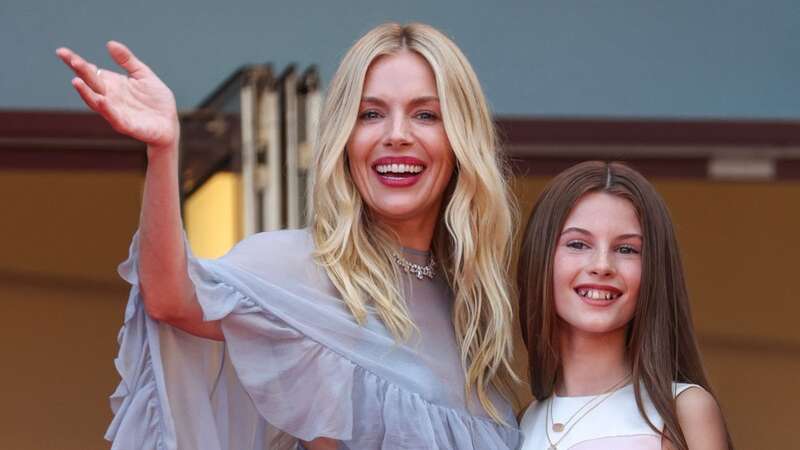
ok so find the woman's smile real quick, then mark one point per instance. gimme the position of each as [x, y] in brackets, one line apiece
[398, 153]
[398, 171]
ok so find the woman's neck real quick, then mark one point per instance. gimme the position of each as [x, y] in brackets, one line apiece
[591, 363]
[415, 233]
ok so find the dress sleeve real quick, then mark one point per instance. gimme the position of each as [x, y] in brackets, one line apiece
[294, 363]
[178, 391]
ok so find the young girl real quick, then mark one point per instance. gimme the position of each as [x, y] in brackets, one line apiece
[614, 362]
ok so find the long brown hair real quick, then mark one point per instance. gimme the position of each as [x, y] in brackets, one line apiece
[660, 339]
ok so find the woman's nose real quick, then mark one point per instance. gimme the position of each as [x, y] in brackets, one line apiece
[397, 133]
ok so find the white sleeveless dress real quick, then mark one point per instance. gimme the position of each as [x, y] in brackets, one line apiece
[614, 424]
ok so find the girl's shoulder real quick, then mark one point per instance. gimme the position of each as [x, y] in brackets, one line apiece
[531, 424]
[680, 388]
[532, 414]
[700, 418]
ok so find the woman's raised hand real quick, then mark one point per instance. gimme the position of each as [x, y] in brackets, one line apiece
[138, 104]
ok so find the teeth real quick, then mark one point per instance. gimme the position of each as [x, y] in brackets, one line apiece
[596, 294]
[399, 168]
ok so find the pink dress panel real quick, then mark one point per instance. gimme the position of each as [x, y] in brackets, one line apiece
[642, 442]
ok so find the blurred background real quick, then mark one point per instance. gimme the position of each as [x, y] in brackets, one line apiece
[702, 97]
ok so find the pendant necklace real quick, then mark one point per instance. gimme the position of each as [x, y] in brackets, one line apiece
[558, 427]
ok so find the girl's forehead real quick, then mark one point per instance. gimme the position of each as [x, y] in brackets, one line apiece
[603, 212]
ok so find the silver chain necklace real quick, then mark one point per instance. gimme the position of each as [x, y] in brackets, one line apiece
[421, 272]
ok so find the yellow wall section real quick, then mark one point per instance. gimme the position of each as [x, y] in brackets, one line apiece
[58, 341]
[70, 224]
[62, 303]
[213, 215]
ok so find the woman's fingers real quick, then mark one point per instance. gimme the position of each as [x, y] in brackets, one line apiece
[98, 103]
[65, 55]
[86, 71]
[90, 97]
[127, 60]
[117, 122]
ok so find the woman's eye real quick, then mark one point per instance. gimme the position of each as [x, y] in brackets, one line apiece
[426, 115]
[369, 115]
[628, 250]
[577, 245]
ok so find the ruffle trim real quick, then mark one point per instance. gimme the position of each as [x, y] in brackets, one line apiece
[370, 382]
[138, 411]
[407, 420]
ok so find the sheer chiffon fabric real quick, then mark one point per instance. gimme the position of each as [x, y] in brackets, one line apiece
[294, 361]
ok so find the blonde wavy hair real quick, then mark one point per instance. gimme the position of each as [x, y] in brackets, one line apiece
[471, 241]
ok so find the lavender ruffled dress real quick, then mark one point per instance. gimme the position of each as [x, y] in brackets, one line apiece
[294, 361]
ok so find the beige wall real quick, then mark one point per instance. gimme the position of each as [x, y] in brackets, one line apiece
[61, 302]
[741, 253]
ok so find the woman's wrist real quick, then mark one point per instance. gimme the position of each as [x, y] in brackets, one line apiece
[168, 144]
[161, 151]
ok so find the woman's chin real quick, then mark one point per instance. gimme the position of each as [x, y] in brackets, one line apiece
[399, 213]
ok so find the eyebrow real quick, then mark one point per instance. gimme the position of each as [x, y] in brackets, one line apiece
[415, 101]
[587, 233]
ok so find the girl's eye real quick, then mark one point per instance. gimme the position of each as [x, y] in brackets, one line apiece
[426, 115]
[577, 245]
[628, 250]
[369, 115]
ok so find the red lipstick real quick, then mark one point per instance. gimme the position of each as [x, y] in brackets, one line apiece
[398, 178]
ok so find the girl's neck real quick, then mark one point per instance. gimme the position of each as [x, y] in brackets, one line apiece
[591, 363]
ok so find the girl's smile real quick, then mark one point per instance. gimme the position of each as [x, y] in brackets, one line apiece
[597, 266]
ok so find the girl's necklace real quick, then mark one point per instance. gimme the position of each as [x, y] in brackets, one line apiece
[560, 426]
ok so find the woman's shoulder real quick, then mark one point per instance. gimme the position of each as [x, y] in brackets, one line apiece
[279, 243]
[286, 240]
[274, 252]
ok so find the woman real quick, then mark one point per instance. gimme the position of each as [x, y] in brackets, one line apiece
[386, 324]
[605, 315]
